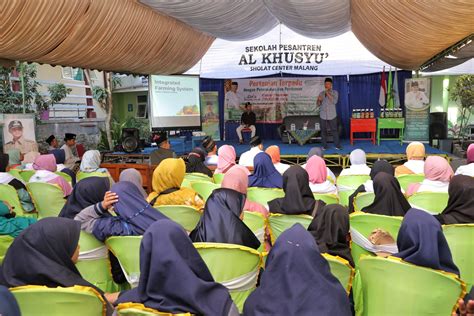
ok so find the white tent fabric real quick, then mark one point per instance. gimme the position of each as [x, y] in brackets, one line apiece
[244, 20]
[345, 56]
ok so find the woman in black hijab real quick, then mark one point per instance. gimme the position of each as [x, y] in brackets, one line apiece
[298, 196]
[4, 159]
[195, 162]
[174, 278]
[221, 221]
[330, 229]
[389, 199]
[87, 192]
[368, 186]
[460, 208]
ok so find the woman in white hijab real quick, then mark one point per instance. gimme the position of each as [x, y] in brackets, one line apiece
[91, 162]
[358, 164]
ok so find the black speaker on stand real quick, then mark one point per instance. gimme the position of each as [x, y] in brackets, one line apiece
[438, 126]
[130, 139]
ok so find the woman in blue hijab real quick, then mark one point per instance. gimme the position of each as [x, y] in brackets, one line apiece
[174, 278]
[133, 213]
[421, 242]
[297, 281]
[265, 174]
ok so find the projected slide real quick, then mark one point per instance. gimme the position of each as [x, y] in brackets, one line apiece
[174, 102]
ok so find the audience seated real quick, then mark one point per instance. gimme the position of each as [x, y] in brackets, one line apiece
[330, 229]
[45, 166]
[358, 164]
[166, 183]
[133, 214]
[274, 152]
[174, 278]
[415, 160]
[421, 242]
[389, 199]
[297, 281]
[6, 178]
[225, 159]
[221, 221]
[247, 158]
[437, 172]
[45, 254]
[134, 176]
[29, 159]
[210, 147]
[87, 192]
[60, 156]
[298, 197]
[264, 173]
[468, 168]
[317, 151]
[195, 162]
[164, 151]
[11, 225]
[318, 176]
[91, 163]
[460, 208]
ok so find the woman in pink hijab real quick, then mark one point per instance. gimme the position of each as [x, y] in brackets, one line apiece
[225, 158]
[468, 168]
[317, 171]
[438, 173]
[45, 166]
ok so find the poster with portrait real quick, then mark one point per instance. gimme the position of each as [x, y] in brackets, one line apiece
[19, 132]
[210, 114]
[417, 109]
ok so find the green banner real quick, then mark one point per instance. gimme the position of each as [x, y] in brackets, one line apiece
[417, 109]
[210, 114]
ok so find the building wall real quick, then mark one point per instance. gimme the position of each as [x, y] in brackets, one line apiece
[121, 103]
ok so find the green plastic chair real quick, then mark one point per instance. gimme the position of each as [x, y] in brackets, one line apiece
[82, 175]
[347, 185]
[257, 224]
[37, 300]
[389, 286]
[135, 309]
[47, 198]
[65, 176]
[281, 222]
[5, 242]
[234, 266]
[9, 195]
[460, 238]
[190, 178]
[27, 174]
[342, 270]
[16, 173]
[406, 179]
[365, 223]
[327, 198]
[127, 251]
[94, 264]
[218, 178]
[362, 200]
[204, 189]
[186, 216]
[432, 202]
[263, 195]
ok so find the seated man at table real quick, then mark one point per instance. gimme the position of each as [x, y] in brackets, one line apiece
[164, 151]
[247, 120]
[246, 159]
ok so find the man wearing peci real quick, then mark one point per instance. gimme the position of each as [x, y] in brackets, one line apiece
[327, 101]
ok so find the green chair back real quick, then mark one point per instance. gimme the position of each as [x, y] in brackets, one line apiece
[9, 195]
[127, 251]
[204, 189]
[257, 224]
[189, 178]
[362, 200]
[82, 175]
[432, 202]
[327, 198]
[5, 242]
[365, 223]
[389, 286]
[347, 185]
[186, 216]
[280, 222]
[342, 270]
[263, 195]
[218, 178]
[16, 173]
[65, 176]
[234, 266]
[72, 301]
[460, 238]
[94, 264]
[27, 174]
[47, 198]
[135, 309]
[406, 179]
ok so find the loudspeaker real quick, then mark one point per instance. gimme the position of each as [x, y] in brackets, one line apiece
[130, 139]
[438, 125]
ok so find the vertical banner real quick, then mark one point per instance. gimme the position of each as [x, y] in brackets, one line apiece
[210, 114]
[417, 109]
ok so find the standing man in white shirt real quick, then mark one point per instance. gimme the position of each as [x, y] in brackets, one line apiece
[69, 149]
[246, 159]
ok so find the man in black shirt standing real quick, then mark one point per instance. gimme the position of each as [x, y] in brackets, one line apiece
[247, 120]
